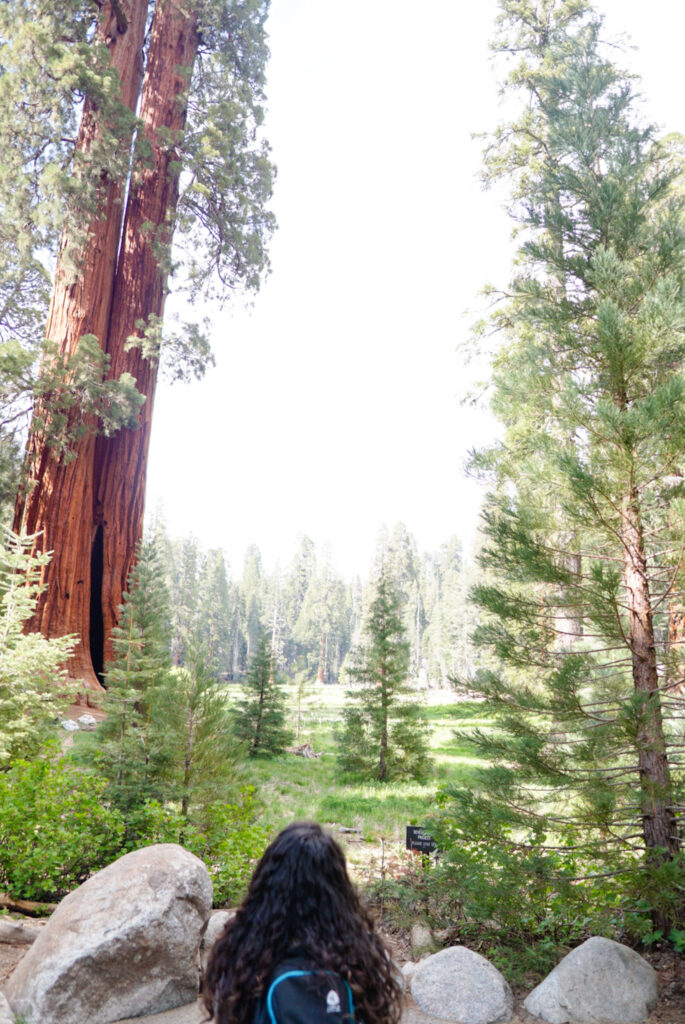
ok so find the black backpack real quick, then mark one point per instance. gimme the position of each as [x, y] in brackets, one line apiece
[300, 993]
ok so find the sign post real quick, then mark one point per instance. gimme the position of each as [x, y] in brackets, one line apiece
[420, 841]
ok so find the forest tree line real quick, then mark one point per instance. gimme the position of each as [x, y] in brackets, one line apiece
[310, 613]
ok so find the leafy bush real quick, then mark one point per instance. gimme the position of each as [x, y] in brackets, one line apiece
[31, 667]
[228, 839]
[233, 842]
[153, 822]
[55, 828]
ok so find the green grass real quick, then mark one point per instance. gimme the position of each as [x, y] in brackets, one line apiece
[293, 787]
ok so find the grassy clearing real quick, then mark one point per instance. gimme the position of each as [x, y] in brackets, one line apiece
[293, 787]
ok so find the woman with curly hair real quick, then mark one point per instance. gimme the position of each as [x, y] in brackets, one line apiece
[301, 945]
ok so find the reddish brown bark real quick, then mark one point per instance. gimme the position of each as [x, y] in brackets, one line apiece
[139, 293]
[58, 499]
[90, 511]
[676, 642]
[658, 819]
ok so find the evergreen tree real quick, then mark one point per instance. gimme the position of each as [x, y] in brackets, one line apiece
[185, 587]
[322, 629]
[214, 614]
[397, 553]
[252, 591]
[450, 617]
[238, 646]
[117, 147]
[273, 615]
[30, 665]
[195, 730]
[385, 734]
[127, 746]
[297, 580]
[586, 520]
[259, 718]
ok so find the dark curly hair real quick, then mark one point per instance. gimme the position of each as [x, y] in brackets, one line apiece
[300, 897]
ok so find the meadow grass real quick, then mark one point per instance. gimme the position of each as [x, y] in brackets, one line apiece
[293, 787]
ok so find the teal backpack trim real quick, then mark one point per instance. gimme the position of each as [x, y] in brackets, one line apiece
[300, 974]
[272, 986]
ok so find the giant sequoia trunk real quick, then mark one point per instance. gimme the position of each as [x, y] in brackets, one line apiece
[139, 292]
[57, 501]
[89, 511]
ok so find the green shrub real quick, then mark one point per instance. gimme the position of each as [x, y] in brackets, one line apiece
[526, 897]
[153, 822]
[227, 838]
[55, 829]
[230, 842]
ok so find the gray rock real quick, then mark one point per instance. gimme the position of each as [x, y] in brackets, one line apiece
[70, 725]
[215, 927]
[194, 1013]
[87, 722]
[6, 1015]
[124, 944]
[14, 933]
[403, 974]
[460, 985]
[600, 982]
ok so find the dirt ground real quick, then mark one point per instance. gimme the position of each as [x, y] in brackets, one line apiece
[670, 969]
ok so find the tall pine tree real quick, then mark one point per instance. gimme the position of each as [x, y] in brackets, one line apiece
[129, 748]
[586, 519]
[385, 735]
[259, 718]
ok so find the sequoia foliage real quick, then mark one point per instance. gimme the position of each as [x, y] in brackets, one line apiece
[133, 163]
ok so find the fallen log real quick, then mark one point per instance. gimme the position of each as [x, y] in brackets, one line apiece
[304, 750]
[27, 907]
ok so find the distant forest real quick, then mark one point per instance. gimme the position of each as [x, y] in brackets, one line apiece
[310, 613]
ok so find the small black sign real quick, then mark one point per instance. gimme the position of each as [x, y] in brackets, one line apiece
[420, 841]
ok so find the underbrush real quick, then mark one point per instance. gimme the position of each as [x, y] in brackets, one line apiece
[524, 905]
[57, 829]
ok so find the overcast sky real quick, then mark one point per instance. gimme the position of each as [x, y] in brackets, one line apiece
[334, 406]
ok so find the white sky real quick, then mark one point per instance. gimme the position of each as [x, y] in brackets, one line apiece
[333, 407]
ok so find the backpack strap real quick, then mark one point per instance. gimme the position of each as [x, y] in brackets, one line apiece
[299, 974]
[272, 986]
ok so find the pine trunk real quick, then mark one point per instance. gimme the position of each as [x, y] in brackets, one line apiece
[323, 658]
[57, 500]
[658, 819]
[383, 752]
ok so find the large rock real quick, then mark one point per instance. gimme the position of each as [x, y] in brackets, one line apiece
[14, 933]
[215, 929]
[124, 944]
[459, 985]
[6, 1015]
[600, 982]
